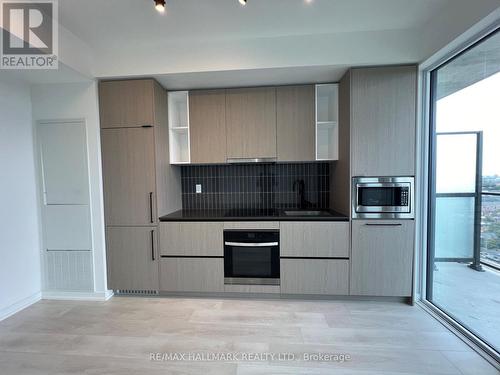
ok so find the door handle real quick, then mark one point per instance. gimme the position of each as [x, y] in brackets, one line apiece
[384, 224]
[151, 207]
[253, 244]
[153, 245]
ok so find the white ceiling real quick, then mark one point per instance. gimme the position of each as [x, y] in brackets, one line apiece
[112, 23]
[219, 43]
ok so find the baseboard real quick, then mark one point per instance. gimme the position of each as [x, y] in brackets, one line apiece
[20, 305]
[78, 296]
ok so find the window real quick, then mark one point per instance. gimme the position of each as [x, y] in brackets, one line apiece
[463, 268]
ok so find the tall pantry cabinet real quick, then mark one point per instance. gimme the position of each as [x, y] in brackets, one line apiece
[378, 108]
[139, 183]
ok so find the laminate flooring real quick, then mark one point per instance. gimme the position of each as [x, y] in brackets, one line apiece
[136, 335]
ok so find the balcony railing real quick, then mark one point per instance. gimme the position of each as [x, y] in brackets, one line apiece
[490, 229]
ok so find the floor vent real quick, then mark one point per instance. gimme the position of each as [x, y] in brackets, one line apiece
[137, 292]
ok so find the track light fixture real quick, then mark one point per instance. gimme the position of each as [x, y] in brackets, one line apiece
[243, 2]
[160, 5]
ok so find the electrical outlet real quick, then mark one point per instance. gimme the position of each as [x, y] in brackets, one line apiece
[198, 188]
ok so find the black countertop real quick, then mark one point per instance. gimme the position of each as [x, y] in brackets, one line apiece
[251, 215]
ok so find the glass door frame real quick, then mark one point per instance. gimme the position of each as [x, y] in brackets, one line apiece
[426, 173]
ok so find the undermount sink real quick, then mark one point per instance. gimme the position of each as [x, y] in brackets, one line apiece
[307, 213]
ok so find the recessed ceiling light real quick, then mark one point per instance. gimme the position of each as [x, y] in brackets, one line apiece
[243, 2]
[160, 5]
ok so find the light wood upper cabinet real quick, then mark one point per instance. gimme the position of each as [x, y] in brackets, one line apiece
[125, 104]
[383, 119]
[251, 122]
[132, 258]
[382, 257]
[207, 126]
[295, 123]
[128, 162]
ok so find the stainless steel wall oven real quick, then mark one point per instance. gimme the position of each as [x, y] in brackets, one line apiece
[251, 257]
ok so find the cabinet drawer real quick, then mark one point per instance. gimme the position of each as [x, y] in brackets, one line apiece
[314, 239]
[251, 225]
[315, 276]
[192, 274]
[193, 239]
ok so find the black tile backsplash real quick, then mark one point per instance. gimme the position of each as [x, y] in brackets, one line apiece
[256, 186]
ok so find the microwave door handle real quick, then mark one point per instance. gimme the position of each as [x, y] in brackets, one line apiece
[251, 244]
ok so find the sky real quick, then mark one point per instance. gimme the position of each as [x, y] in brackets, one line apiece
[473, 108]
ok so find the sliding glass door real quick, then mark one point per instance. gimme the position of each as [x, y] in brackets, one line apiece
[463, 268]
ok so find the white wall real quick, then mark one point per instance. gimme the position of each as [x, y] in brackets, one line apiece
[19, 233]
[80, 101]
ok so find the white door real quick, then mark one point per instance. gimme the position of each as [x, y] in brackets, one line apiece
[67, 241]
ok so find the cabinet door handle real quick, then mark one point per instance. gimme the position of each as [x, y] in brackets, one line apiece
[384, 224]
[153, 245]
[151, 207]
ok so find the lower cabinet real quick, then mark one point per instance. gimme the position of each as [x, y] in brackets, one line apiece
[192, 274]
[382, 257]
[132, 258]
[315, 276]
[315, 239]
[191, 238]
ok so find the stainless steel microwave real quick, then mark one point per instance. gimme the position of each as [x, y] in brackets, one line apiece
[383, 198]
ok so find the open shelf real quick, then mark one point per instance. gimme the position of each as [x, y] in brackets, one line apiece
[178, 122]
[327, 128]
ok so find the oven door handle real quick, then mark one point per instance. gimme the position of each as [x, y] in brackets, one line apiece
[251, 244]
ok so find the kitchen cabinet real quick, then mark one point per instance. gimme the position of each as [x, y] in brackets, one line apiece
[245, 225]
[132, 258]
[251, 123]
[192, 274]
[128, 160]
[207, 126]
[139, 183]
[383, 120]
[314, 239]
[126, 103]
[295, 123]
[178, 127]
[327, 121]
[382, 257]
[191, 238]
[315, 276]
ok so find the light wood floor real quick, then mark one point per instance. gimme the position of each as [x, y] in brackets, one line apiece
[117, 337]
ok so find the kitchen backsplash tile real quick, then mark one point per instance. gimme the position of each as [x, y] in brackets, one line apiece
[256, 186]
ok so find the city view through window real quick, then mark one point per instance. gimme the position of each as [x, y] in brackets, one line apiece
[476, 108]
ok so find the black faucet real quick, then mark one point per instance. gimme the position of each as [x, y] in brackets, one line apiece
[300, 186]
